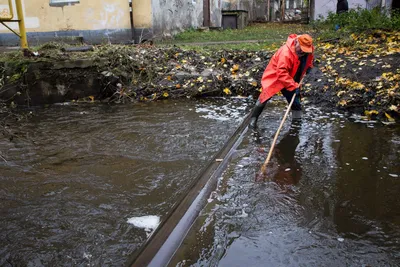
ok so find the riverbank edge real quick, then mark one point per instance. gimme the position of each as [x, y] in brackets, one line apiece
[117, 74]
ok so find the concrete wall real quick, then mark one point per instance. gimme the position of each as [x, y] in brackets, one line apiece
[94, 20]
[172, 16]
[216, 15]
[323, 7]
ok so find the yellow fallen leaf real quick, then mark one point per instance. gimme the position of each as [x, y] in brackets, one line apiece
[254, 83]
[340, 93]
[227, 91]
[394, 108]
[370, 112]
[342, 103]
[389, 117]
[357, 85]
[165, 94]
[91, 98]
[235, 68]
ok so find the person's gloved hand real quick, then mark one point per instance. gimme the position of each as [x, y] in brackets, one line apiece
[297, 92]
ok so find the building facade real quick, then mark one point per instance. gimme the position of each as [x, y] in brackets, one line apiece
[113, 21]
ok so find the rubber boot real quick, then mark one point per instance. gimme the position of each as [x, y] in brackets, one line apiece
[258, 108]
[296, 114]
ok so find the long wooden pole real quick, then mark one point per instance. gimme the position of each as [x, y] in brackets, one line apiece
[264, 166]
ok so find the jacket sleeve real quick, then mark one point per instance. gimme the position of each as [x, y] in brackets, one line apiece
[283, 73]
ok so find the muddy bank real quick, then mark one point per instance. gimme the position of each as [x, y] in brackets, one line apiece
[359, 75]
[128, 73]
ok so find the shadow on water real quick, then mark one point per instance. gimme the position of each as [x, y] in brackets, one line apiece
[69, 187]
[331, 198]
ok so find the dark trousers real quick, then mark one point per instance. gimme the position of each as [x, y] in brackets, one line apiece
[287, 94]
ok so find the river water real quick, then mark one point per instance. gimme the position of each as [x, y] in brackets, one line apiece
[80, 175]
[330, 198]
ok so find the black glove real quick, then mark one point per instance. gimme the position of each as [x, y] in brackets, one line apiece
[297, 92]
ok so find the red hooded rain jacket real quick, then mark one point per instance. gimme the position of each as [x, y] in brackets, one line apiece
[281, 70]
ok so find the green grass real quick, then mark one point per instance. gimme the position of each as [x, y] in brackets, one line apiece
[356, 21]
[270, 45]
[268, 35]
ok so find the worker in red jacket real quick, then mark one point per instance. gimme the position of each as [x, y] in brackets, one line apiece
[284, 73]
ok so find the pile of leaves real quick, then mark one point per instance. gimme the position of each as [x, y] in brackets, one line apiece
[359, 74]
[150, 73]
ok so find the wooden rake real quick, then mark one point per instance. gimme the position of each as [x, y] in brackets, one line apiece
[261, 175]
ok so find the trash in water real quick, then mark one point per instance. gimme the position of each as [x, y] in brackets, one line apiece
[148, 223]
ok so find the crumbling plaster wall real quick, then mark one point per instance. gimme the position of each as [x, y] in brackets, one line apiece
[173, 16]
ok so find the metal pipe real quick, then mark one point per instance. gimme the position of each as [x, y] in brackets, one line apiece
[131, 19]
[11, 13]
[5, 25]
[21, 23]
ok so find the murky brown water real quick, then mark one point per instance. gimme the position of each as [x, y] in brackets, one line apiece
[70, 185]
[331, 199]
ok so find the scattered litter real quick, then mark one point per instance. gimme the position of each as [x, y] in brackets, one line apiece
[148, 223]
[243, 215]
[288, 169]
[364, 158]
[87, 255]
[218, 160]
[393, 175]
[340, 239]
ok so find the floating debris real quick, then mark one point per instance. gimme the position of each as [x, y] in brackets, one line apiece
[148, 223]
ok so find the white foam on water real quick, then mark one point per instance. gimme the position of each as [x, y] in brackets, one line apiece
[148, 223]
[220, 113]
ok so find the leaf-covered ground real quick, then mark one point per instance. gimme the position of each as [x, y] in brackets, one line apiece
[361, 75]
